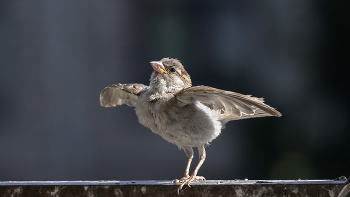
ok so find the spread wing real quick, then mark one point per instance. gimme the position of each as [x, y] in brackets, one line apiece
[121, 94]
[231, 105]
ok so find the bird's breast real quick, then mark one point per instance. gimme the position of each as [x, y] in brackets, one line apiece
[190, 125]
[152, 115]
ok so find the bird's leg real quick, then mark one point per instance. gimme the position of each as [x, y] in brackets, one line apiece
[202, 155]
[189, 153]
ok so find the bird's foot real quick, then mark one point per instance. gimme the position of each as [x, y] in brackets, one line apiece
[186, 180]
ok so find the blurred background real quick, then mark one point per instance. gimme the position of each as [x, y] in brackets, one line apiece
[57, 56]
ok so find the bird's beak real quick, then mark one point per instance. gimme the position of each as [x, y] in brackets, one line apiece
[158, 67]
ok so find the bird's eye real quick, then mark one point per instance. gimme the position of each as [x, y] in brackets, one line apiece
[172, 69]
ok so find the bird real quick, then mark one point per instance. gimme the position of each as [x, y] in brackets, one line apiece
[185, 115]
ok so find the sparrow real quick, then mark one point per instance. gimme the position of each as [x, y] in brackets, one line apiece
[185, 115]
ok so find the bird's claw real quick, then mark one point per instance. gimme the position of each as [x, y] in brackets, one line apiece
[187, 181]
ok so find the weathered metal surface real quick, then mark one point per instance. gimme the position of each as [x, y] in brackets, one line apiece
[345, 191]
[311, 188]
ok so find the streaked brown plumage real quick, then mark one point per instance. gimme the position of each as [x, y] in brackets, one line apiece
[181, 114]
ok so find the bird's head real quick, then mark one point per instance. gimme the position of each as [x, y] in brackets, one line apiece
[170, 73]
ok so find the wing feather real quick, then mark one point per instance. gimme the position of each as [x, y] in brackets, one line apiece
[120, 94]
[232, 105]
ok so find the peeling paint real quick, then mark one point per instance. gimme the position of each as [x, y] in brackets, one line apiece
[239, 192]
[264, 191]
[17, 192]
[143, 190]
[295, 190]
[330, 192]
[54, 193]
[90, 192]
[118, 192]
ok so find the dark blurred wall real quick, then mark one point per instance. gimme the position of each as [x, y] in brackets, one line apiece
[56, 57]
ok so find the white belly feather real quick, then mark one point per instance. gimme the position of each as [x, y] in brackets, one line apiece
[190, 125]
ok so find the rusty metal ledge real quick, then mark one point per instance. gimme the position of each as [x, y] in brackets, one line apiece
[254, 188]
